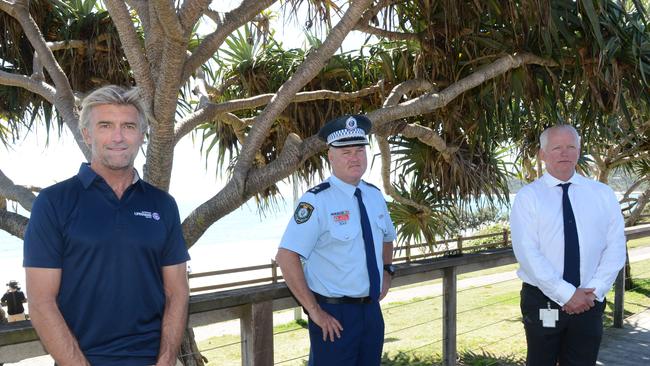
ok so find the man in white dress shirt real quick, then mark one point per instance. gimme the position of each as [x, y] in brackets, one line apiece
[568, 237]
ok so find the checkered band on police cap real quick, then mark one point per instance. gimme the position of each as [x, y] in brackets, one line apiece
[349, 130]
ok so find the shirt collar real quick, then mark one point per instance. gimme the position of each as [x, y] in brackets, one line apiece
[551, 181]
[348, 189]
[87, 176]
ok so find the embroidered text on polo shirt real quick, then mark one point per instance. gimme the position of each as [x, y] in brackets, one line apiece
[147, 215]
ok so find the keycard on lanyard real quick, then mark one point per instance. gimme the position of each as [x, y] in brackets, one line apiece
[548, 316]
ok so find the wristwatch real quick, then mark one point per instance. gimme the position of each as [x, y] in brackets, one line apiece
[390, 268]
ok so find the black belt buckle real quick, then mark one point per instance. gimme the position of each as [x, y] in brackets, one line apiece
[342, 300]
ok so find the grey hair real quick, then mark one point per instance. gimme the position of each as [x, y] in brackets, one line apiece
[116, 95]
[543, 138]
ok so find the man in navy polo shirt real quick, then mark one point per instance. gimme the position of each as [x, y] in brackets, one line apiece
[104, 251]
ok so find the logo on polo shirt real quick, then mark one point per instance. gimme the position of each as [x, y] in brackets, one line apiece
[147, 215]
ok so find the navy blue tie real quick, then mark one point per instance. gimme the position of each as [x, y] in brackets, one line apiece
[571, 272]
[368, 243]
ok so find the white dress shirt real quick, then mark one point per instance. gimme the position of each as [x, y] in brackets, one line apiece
[538, 235]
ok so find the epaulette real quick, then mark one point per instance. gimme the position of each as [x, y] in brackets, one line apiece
[319, 188]
[372, 185]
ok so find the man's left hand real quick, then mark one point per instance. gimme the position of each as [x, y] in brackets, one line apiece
[385, 286]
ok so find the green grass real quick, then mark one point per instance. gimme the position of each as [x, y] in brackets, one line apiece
[489, 329]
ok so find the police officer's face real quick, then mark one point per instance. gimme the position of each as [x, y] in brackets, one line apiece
[348, 163]
[114, 136]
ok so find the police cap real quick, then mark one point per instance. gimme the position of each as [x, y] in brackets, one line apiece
[348, 130]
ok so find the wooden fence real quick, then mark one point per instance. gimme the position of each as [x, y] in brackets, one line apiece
[254, 305]
[269, 274]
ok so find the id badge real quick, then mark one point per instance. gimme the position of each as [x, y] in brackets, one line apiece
[548, 316]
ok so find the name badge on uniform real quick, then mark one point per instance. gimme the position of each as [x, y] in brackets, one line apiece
[548, 316]
[341, 217]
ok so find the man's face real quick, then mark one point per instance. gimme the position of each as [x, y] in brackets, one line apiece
[114, 136]
[561, 154]
[348, 163]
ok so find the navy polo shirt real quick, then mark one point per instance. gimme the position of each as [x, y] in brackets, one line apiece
[111, 253]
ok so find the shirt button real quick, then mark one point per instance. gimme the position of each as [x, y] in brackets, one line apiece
[347, 236]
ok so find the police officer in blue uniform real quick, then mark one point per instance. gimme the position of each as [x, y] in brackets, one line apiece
[336, 253]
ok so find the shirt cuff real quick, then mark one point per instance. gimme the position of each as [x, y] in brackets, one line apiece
[564, 292]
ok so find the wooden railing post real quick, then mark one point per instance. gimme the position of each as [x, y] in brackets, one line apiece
[460, 244]
[619, 299]
[274, 271]
[257, 334]
[408, 252]
[505, 238]
[449, 353]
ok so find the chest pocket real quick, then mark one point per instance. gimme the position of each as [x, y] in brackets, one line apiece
[344, 230]
[380, 221]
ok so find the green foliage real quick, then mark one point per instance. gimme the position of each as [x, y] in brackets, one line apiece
[491, 242]
[100, 61]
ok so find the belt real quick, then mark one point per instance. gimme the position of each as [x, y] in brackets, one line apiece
[342, 300]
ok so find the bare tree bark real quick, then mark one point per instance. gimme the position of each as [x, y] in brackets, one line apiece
[15, 192]
[13, 223]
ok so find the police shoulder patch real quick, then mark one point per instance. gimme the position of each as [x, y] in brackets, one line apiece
[303, 212]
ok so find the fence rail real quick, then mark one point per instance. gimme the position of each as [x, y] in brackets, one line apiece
[423, 249]
[254, 305]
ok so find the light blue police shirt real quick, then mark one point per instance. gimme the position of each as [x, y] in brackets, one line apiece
[326, 232]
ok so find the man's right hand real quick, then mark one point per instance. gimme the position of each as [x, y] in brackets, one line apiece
[327, 323]
[581, 301]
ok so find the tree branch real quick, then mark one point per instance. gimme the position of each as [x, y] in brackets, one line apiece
[394, 36]
[132, 47]
[210, 111]
[384, 149]
[64, 99]
[16, 192]
[171, 25]
[305, 72]
[432, 101]
[13, 223]
[38, 87]
[294, 153]
[66, 45]
[190, 13]
[231, 21]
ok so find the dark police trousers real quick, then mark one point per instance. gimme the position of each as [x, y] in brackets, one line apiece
[362, 338]
[573, 342]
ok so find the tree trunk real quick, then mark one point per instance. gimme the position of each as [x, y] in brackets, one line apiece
[190, 354]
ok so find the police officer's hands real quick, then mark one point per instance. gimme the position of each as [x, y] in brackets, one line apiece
[385, 286]
[327, 323]
[581, 301]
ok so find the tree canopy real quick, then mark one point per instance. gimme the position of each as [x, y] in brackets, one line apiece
[452, 88]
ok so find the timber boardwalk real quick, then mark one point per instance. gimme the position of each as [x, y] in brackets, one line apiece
[627, 346]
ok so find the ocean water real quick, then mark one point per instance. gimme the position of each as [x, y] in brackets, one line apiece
[242, 238]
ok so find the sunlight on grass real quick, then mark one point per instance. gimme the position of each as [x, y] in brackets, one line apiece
[489, 329]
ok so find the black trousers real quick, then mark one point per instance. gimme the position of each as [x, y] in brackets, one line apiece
[574, 341]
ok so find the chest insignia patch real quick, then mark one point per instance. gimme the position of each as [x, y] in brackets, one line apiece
[341, 217]
[303, 212]
[147, 215]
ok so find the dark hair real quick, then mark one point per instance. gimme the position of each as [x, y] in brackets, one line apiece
[13, 284]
